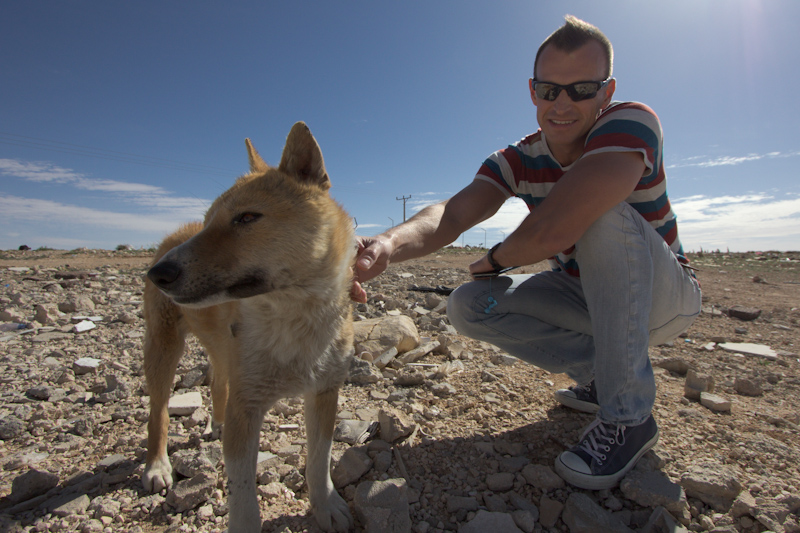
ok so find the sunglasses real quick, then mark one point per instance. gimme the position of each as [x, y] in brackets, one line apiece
[580, 90]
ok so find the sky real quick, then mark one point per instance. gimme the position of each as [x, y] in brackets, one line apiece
[121, 120]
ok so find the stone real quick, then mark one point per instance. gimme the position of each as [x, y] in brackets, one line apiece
[31, 484]
[194, 377]
[583, 515]
[104, 507]
[69, 504]
[653, 489]
[542, 477]
[382, 506]
[748, 387]
[84, 325]
[662, 522]
[744, 313]
[744, 504]
[85, 365]
[378, 335]
[716, 485]
[47, 314]
[715, 402]
[457, 503]
[190, 493]
[394, 424]
[190, 463]
[486, 521]
[184, 404]
[443, 390]
[495, 503]
[353, 464]
[677, 365]
[418, 352]
[697, 384]
[549, 511]
[500, 482]
[523, 504]
[11, 427]
[749, 348]
[363, 372]
[525, 520]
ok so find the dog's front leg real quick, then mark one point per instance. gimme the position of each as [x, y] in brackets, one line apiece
[163, 347]
[240, 448]
[330, 510]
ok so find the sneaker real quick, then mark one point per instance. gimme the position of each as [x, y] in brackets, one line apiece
[580, 397]
[606, 453]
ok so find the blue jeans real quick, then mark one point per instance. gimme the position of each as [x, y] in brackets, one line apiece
[632, 293]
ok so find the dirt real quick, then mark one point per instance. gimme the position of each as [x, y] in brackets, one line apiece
[756, 440]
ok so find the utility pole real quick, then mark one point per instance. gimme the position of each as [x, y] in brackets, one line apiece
[404, 198]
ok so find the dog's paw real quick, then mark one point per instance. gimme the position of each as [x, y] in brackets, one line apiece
[333, 514]
[157, 476]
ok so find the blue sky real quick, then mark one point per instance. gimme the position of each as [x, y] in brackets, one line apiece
[120, 120]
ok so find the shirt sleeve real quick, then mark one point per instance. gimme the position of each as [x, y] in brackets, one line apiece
[497, 171]
[628, 127]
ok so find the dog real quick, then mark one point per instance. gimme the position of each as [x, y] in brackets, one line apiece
[264, 285]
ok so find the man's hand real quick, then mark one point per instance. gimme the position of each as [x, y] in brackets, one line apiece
[357, 292]
[372, 258]
[481, 265]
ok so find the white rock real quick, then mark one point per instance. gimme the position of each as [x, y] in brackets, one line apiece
[184, 404]
[749, 348]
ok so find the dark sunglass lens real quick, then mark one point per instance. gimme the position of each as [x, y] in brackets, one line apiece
[584, 91]
[547, 91]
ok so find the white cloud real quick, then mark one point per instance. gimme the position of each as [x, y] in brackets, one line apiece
[32, 210]
[727, 160]
[44, 172]
[37, 171]
[753, 222]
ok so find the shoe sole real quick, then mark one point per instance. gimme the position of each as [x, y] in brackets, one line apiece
[574, 403]
[589, 482]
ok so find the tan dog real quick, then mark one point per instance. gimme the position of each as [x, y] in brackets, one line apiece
[264, 285]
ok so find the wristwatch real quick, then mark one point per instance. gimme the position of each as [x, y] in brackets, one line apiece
[490, 255]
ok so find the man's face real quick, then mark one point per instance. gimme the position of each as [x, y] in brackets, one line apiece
[565, 123]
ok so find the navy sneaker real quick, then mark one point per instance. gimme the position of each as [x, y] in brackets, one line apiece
[580, 397]
[606, 453]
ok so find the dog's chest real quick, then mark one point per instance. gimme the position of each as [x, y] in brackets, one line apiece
[293, 350]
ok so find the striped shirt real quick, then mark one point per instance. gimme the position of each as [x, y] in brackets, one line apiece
[528, 170]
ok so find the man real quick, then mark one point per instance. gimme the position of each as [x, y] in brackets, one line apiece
[593, 178]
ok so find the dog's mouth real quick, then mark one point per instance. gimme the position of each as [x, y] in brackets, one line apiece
[250, 285]
[208, 293]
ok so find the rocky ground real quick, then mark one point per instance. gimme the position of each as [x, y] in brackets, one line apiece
[466, 436]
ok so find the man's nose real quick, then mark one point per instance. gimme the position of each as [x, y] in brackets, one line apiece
[562, 101]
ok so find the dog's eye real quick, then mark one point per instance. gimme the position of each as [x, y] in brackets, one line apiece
[246, 218]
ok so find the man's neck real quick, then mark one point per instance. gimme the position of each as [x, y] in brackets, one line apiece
[565, 155]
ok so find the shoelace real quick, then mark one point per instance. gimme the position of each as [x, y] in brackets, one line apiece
[597, 438]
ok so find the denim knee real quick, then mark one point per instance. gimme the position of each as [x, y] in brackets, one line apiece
[460, 308]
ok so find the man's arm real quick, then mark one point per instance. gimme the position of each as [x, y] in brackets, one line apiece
[588, 190]
[432, 228]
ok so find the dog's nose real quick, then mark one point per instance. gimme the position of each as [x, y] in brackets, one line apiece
[164, 274]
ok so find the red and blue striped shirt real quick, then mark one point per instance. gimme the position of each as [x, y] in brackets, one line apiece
[528, 170]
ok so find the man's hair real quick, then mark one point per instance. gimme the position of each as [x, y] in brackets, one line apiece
[574, 34]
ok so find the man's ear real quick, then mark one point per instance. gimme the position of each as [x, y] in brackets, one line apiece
[609, 92]
[533, 93]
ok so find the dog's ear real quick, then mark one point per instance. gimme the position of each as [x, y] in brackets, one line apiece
[303, 158]
[256, 163]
